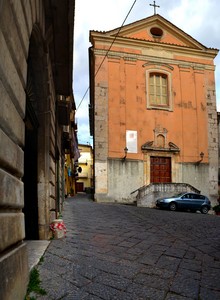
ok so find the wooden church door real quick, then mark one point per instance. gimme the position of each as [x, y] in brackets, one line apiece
[160, 169]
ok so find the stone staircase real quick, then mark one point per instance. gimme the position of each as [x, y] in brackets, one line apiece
[147, 194]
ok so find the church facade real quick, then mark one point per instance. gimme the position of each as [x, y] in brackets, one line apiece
[152, 110]
[37, 106]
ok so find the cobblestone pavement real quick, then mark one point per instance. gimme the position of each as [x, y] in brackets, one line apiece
[114, 251]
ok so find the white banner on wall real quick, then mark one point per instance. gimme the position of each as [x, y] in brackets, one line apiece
[131, 141]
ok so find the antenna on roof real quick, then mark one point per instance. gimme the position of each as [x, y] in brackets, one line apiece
[154, 5]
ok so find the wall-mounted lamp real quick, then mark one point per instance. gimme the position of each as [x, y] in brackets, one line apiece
[201, 158]
[201, 155]
[125, 151]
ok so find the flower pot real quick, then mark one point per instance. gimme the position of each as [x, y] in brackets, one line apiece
[58, 228]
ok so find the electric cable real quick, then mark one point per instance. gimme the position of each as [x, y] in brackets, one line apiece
[107, 52]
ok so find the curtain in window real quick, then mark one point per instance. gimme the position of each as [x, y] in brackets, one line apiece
[158, 89]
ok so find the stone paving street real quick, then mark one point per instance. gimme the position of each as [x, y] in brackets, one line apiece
[114, 251]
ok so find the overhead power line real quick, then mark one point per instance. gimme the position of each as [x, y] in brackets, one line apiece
[108, 51]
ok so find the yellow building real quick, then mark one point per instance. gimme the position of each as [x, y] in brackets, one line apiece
[69, 176]
[85, 169]
[71, 158]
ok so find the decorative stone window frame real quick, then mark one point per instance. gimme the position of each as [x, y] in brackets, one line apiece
[157, 33]
[163, 70]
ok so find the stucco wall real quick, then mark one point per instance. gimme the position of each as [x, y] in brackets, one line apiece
[123, 177]
[189, 120]
[198, 176]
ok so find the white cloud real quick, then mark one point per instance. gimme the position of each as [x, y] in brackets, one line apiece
[190, 14]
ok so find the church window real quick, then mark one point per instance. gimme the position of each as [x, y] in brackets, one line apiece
[156, 32]
[158, 90]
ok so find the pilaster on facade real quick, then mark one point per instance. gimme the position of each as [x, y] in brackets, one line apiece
[213, 142]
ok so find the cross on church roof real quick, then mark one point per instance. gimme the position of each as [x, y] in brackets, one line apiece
[154, 5]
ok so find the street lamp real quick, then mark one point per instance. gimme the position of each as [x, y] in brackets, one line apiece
[201, 158]
[125, 151]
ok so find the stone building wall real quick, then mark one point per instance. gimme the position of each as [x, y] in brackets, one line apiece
[28, 103]
[101, 140]
[213, 141]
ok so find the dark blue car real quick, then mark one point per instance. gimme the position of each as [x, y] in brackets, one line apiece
[185, 201]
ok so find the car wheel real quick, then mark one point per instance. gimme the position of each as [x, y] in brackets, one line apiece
[204, 210]
[173, 206]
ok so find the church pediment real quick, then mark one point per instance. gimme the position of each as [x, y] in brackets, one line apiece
[152, 146]
[157, 29]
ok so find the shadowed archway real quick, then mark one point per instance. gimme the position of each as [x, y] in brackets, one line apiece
[35, 135]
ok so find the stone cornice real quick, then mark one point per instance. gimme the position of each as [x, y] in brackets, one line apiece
[99, 38]
[158, 63]
[154, 59]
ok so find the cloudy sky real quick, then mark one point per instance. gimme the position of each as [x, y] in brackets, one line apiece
[198, 18]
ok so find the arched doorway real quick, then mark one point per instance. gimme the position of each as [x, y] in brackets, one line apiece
[30, 173]
[35, 136]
